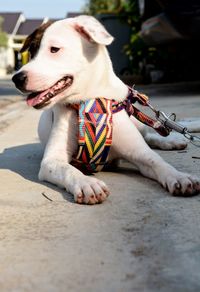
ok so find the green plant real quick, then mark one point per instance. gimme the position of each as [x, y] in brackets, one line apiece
[3, 35]
[136, 49]
[94, 7]
[141, 55]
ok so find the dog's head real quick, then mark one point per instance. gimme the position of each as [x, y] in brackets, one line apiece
[64, 56]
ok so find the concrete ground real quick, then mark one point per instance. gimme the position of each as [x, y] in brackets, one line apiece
[140, 239]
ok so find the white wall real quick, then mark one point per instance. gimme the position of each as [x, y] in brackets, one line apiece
[3, 60]
[6, 58]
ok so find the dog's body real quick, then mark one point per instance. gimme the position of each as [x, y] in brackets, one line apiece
[69, 64]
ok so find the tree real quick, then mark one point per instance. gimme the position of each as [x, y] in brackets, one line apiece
[94, 7]
[3, 35]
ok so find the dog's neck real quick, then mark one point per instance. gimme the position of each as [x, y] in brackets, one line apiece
[105, 83]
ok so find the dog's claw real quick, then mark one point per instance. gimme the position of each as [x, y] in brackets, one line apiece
[183, 184]
[79, 199]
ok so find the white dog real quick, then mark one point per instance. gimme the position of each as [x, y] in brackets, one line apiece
[69, 63]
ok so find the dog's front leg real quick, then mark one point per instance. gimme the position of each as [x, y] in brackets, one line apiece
[129, 144]
[56, 168]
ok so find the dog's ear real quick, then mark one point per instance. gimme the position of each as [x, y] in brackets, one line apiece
[32, 42]
[91, 29]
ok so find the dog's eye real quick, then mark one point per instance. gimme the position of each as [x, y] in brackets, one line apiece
[54, 49]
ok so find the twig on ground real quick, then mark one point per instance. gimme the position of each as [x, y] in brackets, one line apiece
[47, 197]
[196, 157]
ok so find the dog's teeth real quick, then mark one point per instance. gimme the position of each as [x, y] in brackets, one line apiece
[49, 95]
[54, 90]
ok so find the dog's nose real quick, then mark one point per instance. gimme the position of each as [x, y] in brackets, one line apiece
[20, 79]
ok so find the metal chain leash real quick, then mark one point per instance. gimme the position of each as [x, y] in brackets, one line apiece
[169, 121]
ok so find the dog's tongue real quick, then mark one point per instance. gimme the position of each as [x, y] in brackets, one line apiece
[36, 98]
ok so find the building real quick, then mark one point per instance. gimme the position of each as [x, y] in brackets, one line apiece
[17, 27]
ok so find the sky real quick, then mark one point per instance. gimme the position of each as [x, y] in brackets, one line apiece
[42, 8]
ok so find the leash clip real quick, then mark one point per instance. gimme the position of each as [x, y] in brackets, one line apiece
[169, 122]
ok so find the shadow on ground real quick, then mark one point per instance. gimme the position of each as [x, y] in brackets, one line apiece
[25, 161]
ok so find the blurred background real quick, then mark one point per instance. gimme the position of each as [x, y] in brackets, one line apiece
[156, 41]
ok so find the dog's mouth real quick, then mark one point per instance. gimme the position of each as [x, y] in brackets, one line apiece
[39, 99]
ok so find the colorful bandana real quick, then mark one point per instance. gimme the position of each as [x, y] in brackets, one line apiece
[95, 134]
[95, 128]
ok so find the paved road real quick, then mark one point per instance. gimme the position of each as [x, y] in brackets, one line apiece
[8, 94]
[7, 88]
[140, 240]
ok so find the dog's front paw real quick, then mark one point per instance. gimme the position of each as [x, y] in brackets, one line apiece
[182, 184]
[89, 190]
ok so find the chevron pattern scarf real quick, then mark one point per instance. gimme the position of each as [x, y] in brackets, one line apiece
[95, 134]
[95, 128]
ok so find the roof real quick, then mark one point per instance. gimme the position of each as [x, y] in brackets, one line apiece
[28, 26]
[54, 19]
[10, 20]
[15, 22]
